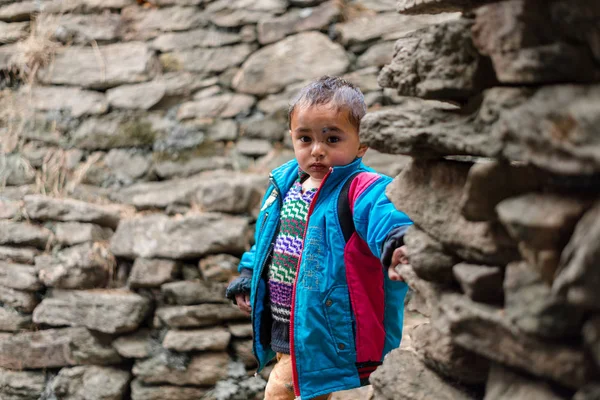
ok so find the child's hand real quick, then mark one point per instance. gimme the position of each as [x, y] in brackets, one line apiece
[398, 257]
[243, 302]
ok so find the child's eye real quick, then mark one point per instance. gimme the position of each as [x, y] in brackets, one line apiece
[305, 139]
[333, 139]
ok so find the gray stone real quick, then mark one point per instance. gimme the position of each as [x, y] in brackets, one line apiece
[425, 293]
[19, 276]
[438, 62]
[202, 370]
[588, 392]
[20, 11]
[71, 233]
[21, 385]
[428, 257]
[106, 67]
[116, 130]
[139, 96]
[368, 27]
[84, 29]
[438, 352]
[23, 234]
[542, 225]
[207, 61]
[15, 170]
[276, 66]
[139, 344]
[578, 277]
[436, 6]
[508, 123]
[212, 339]
[9, 209]
[240, 331]
[147, 23]
[484, 330]
[47, 208]
[270, 127]
[535, 43]
[243, 352]
[387, 164]
[91, 382]
[193, 292]
[253, 147]
[183, 83]
[51, 348]
[489, 182]
[279, 103]
[82, 266]
[8, 53]
[481, 283]
[298, 20]
[179, 238]
[229, 14]
[89, 6]
[430, 192]
[377, 5]
[225, 105]
[418, 382]
[25, 255]
[365, 79]
[219, 268]
[152, 272]
[195, 38]
[506, 384]
[13, 32]
[109, 311]
[591, 337]
[127, 165]
[223, 130]
[377, 55]
[18, 299]
[188, 167]
[139, 391]
[13, 321]
[198, 315]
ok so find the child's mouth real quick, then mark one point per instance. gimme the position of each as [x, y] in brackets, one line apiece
[317, 167]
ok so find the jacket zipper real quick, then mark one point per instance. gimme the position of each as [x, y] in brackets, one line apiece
[262, 267]
[292, 353]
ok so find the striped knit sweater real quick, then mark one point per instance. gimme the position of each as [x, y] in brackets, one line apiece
[282, 271]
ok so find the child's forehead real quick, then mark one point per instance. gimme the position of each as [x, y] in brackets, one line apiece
[328, 111]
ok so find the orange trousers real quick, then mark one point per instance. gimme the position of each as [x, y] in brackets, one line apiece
[281, 383]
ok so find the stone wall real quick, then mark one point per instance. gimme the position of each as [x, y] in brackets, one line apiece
[134, 148]
[503, 188]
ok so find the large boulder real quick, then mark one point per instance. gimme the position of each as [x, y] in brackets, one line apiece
[429, 192]
[121, 63]
[276, 66]
[202, 370]
[51, 348]
[179, 238]
[91, 382]
[45, 208]
[109, 311]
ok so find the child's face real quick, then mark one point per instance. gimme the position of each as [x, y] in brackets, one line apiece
[323, 137]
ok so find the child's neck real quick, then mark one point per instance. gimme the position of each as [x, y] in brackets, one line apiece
[311, 183]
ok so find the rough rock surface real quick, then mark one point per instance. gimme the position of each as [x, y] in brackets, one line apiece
[108, 311]
[187, 237]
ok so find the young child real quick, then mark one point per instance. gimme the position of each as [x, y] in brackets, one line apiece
[328, 307]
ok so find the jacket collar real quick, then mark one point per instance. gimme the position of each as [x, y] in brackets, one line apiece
[285, 175]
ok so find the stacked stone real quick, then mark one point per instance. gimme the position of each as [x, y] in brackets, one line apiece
[145, 126]
[503, 188]
[132, 93]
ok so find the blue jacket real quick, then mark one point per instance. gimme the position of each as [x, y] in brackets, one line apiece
[346, 313]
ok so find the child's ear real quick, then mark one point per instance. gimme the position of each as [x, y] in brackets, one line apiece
[362, 149]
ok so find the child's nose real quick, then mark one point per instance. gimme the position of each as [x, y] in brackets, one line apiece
[317, 149]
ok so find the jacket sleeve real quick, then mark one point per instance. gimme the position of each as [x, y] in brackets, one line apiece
[376, 219]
